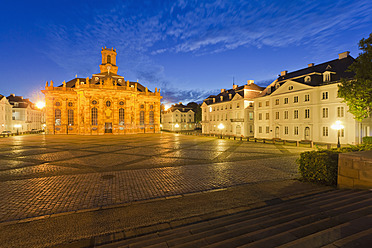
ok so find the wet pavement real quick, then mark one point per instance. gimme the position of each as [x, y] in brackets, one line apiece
[44, 175]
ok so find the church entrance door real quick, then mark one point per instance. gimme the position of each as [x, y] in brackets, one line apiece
[108, 127]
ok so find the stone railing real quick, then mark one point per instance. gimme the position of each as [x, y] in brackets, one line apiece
[355, 170]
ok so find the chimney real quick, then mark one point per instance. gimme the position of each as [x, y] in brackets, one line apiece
[235, 86]
[343, 55]
[249, 82]
[214, 100]
[222, 90]
[310, 65]
[283, 73]
[221, 98]
[180, 103]
[13, 95]
[230, 95]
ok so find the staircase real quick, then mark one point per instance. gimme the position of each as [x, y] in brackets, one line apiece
[338, 218]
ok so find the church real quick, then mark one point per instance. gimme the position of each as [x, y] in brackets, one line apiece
[104, 104]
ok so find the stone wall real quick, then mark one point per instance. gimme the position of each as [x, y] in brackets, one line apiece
[355, 170]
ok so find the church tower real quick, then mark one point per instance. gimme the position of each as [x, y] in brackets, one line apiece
[108, 60]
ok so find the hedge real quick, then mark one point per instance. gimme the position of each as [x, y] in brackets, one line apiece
[321, 166]
[367, 140]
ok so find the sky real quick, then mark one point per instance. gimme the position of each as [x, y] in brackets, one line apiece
[188, 49]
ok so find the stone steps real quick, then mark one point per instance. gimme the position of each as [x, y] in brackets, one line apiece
[339, 218]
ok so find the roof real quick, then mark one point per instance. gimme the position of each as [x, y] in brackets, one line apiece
[1, 97]
[232, 92]
[338, 68]
[180, 107]
[21, 102]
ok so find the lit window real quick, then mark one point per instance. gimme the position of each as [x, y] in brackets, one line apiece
[94, 116]
[250, 115]
[57, 115]
[70, 118]
[121, 116]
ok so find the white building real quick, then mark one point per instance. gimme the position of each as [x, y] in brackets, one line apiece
[303, 105]
[231, 111]
[178, 118]
[25, 116]
[5, 114]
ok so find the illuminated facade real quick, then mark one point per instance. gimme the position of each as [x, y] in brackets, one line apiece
[102, 104]
[303, 105]
[178, 118]
[5, 114]
[233, 109]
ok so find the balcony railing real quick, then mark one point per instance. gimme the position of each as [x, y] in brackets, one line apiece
[237, 120]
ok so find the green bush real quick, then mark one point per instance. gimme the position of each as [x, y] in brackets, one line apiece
[367, 140]
[321, 166]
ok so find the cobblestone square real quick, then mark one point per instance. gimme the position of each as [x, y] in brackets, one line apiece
[46, 174]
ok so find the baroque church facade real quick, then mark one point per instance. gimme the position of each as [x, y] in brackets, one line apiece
[104, 104]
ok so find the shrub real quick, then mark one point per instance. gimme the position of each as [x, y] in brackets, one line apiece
[367, 140]
[321, 166]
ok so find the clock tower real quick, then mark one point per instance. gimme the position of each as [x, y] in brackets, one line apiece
[108, 61]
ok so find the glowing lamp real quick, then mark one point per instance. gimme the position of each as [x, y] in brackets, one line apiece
[40, 105]
[338, 126]
[176, 125]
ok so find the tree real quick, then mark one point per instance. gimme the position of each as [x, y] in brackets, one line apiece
[197, 109]
[357, 93]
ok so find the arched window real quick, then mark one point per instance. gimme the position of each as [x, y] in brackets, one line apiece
[108, 59]
[142, 118]
[151, 117]
[57, 115]
[70, 114]
[94, 116]
[121, 116]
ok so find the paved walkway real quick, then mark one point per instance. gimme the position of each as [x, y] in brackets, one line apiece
[43, 175]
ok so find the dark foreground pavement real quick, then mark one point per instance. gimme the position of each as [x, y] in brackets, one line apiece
[91, 190]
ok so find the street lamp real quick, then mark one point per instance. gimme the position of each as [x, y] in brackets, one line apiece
[176, 126]
[338, 126]
[221, 127]
[40, 105]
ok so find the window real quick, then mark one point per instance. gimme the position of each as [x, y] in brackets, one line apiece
[70, 104]
[121, 103]
[307, 113]
[325, 112]
[260, 104]
[286, 114]
[142, 117]
[327, 76]
[295, 130]
[251, 128]
[151, 117]
[276, 101]
[325, 95]
[94, 102]
[307, 98]
[325, 131]
[341, 132]
[70, 117]
[260, 116]
[290, 87]
[267, 116]
[121, 116]
[230, 106]
[267, 103]
[295, 99]
[276, 115]
[237, 105]
[142, 106]
[260, 129]
[340, 111]
[286, 130]
[58, 104]
[295, 114]
[94, 116]
[250, 115]
[307, 79]
[108, 103]
[109, 59]
[267, 129]
[286, 100]
[57, 115]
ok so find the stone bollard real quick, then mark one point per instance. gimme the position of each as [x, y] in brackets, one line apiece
[311, 144]
[297, 143]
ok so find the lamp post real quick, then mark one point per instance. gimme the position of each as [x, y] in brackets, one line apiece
[338, 126]
[221, 127]
[176, 126]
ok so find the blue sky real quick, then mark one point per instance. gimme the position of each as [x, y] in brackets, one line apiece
[189, 49]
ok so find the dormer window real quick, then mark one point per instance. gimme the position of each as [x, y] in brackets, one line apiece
[307, 79]
[326, 76]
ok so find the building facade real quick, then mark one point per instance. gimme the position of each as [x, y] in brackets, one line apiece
[25, 116]
[5, 114]
[178, 118]
[303, 105]
[231, 112]
[102, 104]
